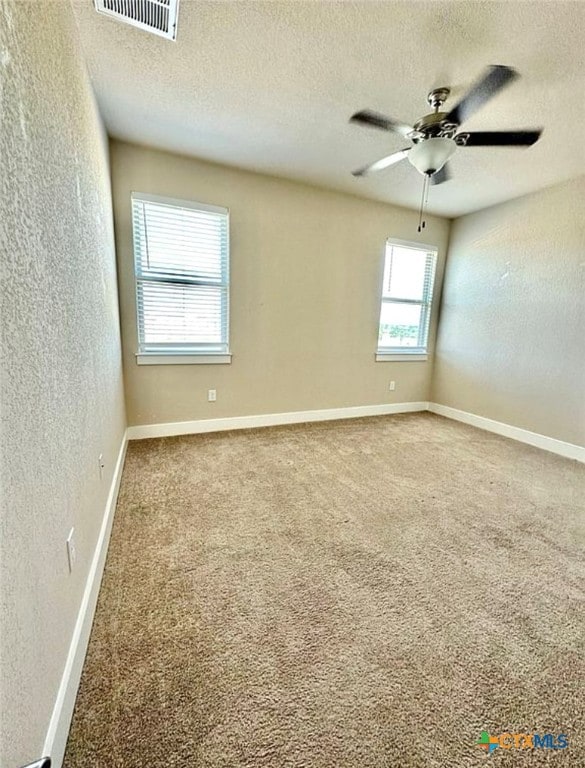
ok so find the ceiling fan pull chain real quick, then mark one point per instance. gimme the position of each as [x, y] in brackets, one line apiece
[423, 201]
[420, 212]
[426, 205]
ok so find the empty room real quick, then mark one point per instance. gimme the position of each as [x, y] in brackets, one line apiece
[292, 385]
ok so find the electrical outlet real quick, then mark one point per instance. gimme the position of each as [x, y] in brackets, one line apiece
[212, 395]
[101, 464]
[71, 550]
[392, 386]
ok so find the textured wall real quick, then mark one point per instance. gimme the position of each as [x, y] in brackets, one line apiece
[511, 344]
[61, 386]
[305, 285]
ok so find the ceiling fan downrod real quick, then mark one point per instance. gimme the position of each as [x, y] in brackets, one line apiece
[438, 97]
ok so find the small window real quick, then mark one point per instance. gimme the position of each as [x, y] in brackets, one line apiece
[407, 292]
[181, 254]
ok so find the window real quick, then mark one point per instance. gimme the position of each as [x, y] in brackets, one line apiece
[181, 257]
[407, 291]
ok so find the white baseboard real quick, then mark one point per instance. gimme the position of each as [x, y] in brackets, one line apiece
[56, 739]
[568, 450]
[268, 420]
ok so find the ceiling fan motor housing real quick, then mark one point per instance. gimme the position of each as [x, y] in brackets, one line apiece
[434, 124]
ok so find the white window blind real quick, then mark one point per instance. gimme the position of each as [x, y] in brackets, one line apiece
[181, 253]
[407, 292]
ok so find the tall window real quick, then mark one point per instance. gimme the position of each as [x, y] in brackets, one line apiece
[181, 253]
[407, 291]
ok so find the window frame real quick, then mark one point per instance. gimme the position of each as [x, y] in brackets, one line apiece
[420, 352]
[184, 353]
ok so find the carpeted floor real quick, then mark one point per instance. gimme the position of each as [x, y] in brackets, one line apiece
[363, 593]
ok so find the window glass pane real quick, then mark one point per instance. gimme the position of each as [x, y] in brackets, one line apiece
[179, 241]
[399, 325]
[180, 314]
[182, 273]
[405, 273]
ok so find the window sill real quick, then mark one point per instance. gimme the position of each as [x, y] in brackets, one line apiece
[401, 357]
[183, 358]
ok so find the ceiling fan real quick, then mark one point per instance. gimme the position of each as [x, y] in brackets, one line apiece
[435, 137]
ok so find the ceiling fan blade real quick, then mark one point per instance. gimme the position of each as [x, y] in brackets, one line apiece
[498, 138]
[494, 79]
[375, 120]
[440, 177]
[385, 162]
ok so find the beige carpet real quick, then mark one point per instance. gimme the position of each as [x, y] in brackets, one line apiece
[370, 592]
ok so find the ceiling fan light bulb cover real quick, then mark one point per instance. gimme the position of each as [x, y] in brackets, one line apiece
[430, 155]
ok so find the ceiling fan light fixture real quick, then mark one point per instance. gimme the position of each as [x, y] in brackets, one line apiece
[430, 155]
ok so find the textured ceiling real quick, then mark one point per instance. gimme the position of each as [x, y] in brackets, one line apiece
[269, 86]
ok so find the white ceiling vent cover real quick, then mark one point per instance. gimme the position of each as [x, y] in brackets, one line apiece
[156, 16]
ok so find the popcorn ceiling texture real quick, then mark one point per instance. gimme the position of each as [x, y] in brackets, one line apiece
[269, 86]
[61, 378]
[511, 342]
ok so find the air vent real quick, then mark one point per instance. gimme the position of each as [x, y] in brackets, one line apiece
[156, 16]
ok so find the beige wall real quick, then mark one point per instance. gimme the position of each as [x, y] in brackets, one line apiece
[306, 269]
[61, 387]
[511, 344]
